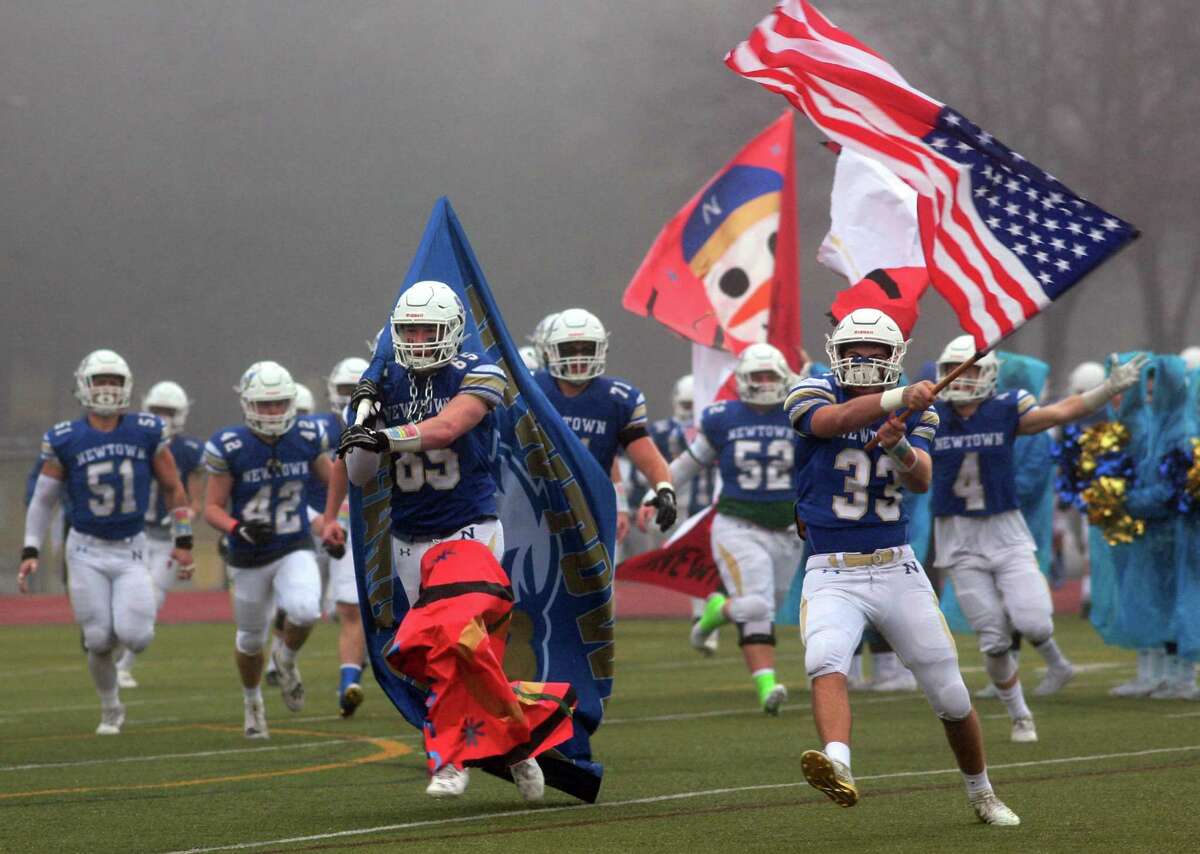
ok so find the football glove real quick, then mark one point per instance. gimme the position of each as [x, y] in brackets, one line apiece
[337, 552]
[664, 503]
[358, 436]
[366, 390]
[253, 533]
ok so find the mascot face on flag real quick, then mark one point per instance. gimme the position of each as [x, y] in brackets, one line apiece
[729, 244]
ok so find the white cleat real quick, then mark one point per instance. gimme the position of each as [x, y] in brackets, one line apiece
[1055, 680]
[902, 681]
[1135, 688]
[449, 782]
[773, 702]
[531, 783]
[255, 720]
[290, 686]
[125, 679]
[704, 643]
[1023, 731]
[991, 810]
[988, 692]
[111, 720]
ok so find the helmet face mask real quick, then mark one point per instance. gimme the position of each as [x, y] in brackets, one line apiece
[268, 395]
[866, 326]
[103, 383]
[342, 380]
[977, 382]
[428, 326]
[762, 376]
[576, 346]
[169, 402]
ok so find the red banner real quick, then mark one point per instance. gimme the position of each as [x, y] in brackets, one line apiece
[684, 564]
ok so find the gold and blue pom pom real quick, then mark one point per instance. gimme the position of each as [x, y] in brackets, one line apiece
[1095, 475]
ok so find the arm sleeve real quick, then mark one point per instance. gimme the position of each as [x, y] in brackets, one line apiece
[46, 493]
[804, 399]
[361, 465]
[698, 456]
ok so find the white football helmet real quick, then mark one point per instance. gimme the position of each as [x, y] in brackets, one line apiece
[866, 325]
[428, 304]
[267, 382]
[103, 399]
[306, 404]
[1191, 356]
[755, 359]
[538, 338]
[170, 396]
[373, 342]
[342, 380]
[571, 327]
[1087, 375]
[529, 355]
[967, 389]
[683, 399]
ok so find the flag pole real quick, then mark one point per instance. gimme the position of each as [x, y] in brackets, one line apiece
[937, 389]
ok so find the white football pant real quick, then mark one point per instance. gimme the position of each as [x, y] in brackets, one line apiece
[292, 583]
[406, 555]
[111, 591]
[749, 557]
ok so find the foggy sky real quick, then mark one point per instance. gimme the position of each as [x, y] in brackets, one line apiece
[199, 185]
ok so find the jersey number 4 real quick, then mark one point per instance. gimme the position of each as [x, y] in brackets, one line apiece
[857, 501]
[967, 485]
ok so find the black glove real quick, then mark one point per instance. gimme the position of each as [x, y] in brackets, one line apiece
[253, 533]
[664, 502]
[358, 436]
[365, 390]
[336, 552]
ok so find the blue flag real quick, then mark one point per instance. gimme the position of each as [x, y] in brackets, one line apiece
[558, 513]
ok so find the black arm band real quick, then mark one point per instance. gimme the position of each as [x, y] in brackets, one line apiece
[631, 434]
[184, 542]
[29, 552]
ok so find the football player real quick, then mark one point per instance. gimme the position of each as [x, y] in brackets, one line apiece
[437, 429]
[982, 538]
[602, 411]
[169, 402]
[863, 568]
[753, 444]
[104, 462]
[538, 339]
[257, 472]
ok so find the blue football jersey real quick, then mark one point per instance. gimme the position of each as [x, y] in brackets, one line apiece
[672, 439]
[268, 485]
[756, 451]
[332, 424]
[608, 413]
[973, 473]
[108, 474]
[188, 454]
[850, 498]
[442, 490]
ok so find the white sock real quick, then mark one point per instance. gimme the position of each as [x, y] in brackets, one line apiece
[1051, 654]
[253, 695]
[1144, 669]
[886, 664]
[1185, 673]
[697, 608]
[104, 673]
[839, 751]
[1158, 663]
[1014, 700]
[124, 660]
[286, 654]
[977, 784]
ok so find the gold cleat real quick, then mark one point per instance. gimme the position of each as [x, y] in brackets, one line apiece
[829, 776]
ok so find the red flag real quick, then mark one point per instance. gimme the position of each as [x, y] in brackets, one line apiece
[894, 292]
[685, 563]
[1002, 238]
[726, 262]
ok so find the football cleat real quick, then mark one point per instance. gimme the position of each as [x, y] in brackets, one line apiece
[704, 643]
[774, 700]
[449, 782]
[290, 686]
[1023, 730]
[991, 810]
[829, 776]
[1055, 680]
[351, 699]
[125, 679]
[255, 720]
[112, 719]
[1135, 688]
[531, 783]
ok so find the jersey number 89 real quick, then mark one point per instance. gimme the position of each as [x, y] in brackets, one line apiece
[858, 479]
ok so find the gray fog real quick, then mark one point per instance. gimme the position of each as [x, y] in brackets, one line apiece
[202, 184]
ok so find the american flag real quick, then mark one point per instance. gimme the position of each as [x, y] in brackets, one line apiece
[1002, 238]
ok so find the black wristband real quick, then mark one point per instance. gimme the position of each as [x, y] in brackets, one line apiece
[184, 542]
[29, 552]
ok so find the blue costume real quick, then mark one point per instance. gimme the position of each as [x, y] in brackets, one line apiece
[850, 499]
[108, 475]
[268, 485]
[607, 413]
[1146, 601]
[188, 454]
[1187, 555]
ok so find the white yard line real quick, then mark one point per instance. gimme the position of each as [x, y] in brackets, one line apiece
[293, 840]
[161, 756]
